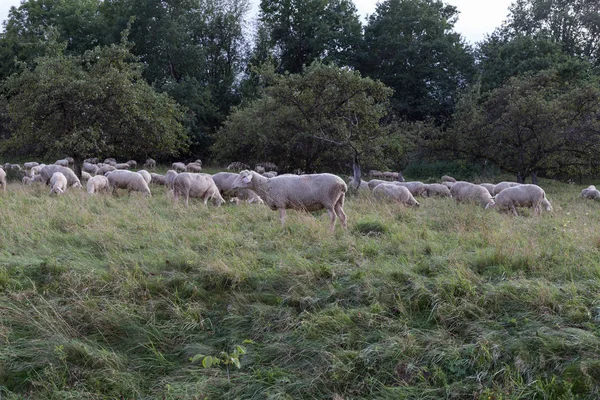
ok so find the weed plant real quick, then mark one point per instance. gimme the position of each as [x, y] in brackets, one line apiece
[107, 297]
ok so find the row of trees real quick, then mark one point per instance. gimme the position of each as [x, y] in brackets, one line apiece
[314, 88]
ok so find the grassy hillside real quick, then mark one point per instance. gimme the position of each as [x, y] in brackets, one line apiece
[104, 298]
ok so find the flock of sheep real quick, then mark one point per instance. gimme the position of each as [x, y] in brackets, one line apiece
[279, 192]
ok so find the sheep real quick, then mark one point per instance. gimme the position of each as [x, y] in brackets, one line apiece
[308, 192]
[590, 193]
[224, 181]
[489, 187]
[198, 161]
[268, 166]
[110, 161]
[193, 167]
[523, 196]
[447, 178]
[146, 175]
[15, 167]
[169, 178]
[196, 185]
[415, 188]
[85, 176]
[36, 170]
[270, 174]
[105, 169]
[448, 184]
[70, 160]
[3, 179]
[30, 164]
[150, 163]
[26, 180]
[374, 182]
[465, 191]
[251, 200]
[364, 185]
[132, 181]
[62, 163]
[122, 166]
[375, 174]
[93, 160]
[90, 168]
[157, 179]
[58, 183]
[98, 183]
[398, 193]
[436, 189]
[503, 185]
[132, 163]
[178, 166]
[260, 169]
[47, 171]
[237, 166]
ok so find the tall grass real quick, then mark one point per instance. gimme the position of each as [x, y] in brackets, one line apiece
[109, 297]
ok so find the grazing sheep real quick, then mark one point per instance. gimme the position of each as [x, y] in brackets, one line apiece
[260, 169]
[70, 160]
[178, 166]
[196, 185]
[36, 179]
[447, 178]
[3, 179]
[146, 175]
[104, 169]
[26, 180]
[193, 167]
[364, 185]
[237, 166]
[503, 185]
[374, 182]
[157, 179]
[270, 174]
[307, 192]
[47, 171]
[436, 189]
[465, 191]
[150, 163]
[58, 183]
[132, 163]
[62, 163]
[523, 196]
[268, 166]
[590, 193]
[398, 193]
[224, 181]
[416, 188]
[90, 168]
[448, 184]
[169, 178]
[93, 160]
[198, 161]
[132, 181]
[122, 166]
[98, 183]
[489, 186]
[375, 174]
[110, 161]
[36, 170]
[30, 164]
[85, 176]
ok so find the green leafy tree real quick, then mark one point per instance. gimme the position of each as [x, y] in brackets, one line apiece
[95, 104]
[325, 117]
[411, 47]
[303, 31]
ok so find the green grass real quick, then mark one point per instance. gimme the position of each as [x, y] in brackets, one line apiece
[104, 298]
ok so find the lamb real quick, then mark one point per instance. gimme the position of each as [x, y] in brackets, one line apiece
[132, 163]
[415, 188]
[489, 186]
[178, 166]
[590, 193]
[307, 192]
[523, 196]
[132, 181]
[157, 179]
[47, 171]
[503, 185]
[122, 166]
[36, 170]
[398, 193]
[62, 163]
[447, 178]
[193, 167]
[169, 178]
[146, 175]
[196, 185]
[26, 180]
[465, 191]
[98, 183]
[3, 179]
[58, 183]
[150, 163]
[436, 189]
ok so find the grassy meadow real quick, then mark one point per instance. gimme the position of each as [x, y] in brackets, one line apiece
[110, 298]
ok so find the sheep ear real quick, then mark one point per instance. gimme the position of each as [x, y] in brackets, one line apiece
[247, 178]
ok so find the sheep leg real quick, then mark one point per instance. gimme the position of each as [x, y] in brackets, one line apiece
[282, 216]
[514, 210]
[187, 198]
[331, 219]
[339, 210]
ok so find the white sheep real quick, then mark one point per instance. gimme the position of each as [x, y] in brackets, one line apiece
[268, 166]
[110, 161]
[169, 178]
[523, 196]
[150, 163]
[104, 169]
[364, 185]
[70, 160]
[132, 181]
[178, 166]
[372, 184]
[26, 180]
[590, 193]
[3, 179]
[193, 167]
[72, 179]
[90, 168]
[469, 192]
[30, 164]
[196, 185]
[447, 178]
[489, 186]
[132, 163]
[146, 175]
[270, 174]
[260, 169]
[415, 188]
[62, 163]
[98, 183]
[398, 193]
[36, 170]
[122, 166]
[503, 185]
[237, 166]
[307, 192]
[157, 179]
[436, 189]
[224, 181]
[85, 176]
[58, 183]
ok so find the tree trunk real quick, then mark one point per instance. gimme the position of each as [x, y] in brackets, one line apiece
[534, 178]
[356, 171]
[400, 176]
[520, 178]
[77, 166]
